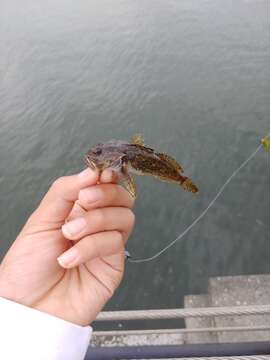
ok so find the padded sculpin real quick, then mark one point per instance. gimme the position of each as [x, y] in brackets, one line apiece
[126, 157]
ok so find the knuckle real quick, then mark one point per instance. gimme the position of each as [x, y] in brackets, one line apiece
[125, 195]
[91, 246]
[59, 183]
[109, 193]
[132, 200]
[119, 239]
[130, 217]
[98, 217]
[86, 248]
[114, 192]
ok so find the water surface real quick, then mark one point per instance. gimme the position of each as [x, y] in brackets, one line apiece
[192, 76]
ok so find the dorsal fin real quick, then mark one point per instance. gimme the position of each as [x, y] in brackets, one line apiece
[137, 139]
[171, 160]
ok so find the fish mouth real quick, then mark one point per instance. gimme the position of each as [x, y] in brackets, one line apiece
[90, 163]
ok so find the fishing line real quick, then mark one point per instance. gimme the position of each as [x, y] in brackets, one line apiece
[179, 237]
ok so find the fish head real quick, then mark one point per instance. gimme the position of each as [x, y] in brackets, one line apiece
[95, 156]
[104, 155]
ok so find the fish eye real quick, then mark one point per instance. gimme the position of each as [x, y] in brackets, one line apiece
[97, 151]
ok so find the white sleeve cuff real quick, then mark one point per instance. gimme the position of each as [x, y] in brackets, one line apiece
[30, 334]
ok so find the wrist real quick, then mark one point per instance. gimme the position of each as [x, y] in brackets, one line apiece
[72, 313]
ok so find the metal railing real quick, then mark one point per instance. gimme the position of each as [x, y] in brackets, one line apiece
[183, 313]
[233, 351]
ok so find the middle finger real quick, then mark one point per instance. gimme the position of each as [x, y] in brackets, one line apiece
[97, 220]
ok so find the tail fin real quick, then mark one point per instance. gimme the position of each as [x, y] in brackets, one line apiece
[188, 185]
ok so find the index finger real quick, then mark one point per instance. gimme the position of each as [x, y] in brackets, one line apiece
[59, 200]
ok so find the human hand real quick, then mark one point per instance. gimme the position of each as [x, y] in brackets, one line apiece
[83, 222]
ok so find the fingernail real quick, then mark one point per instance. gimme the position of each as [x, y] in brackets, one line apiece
[69, 257]
[92, 194]
[74, 227]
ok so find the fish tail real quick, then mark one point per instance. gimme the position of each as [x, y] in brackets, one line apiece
[188, 185]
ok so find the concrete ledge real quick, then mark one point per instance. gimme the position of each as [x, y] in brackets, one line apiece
[199, 301]
[138, 340]
[237, 291]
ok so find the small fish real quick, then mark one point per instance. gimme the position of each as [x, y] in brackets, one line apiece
[266, 143]
[124, 157]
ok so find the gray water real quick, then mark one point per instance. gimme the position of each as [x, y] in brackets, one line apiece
[193, 76]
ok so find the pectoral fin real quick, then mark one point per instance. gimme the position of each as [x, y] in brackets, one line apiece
[117, 164]
[129, 184]
[105, 164]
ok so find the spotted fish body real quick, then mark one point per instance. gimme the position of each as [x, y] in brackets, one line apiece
[126, 157]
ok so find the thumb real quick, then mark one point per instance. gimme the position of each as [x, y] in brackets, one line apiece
[59, 200]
